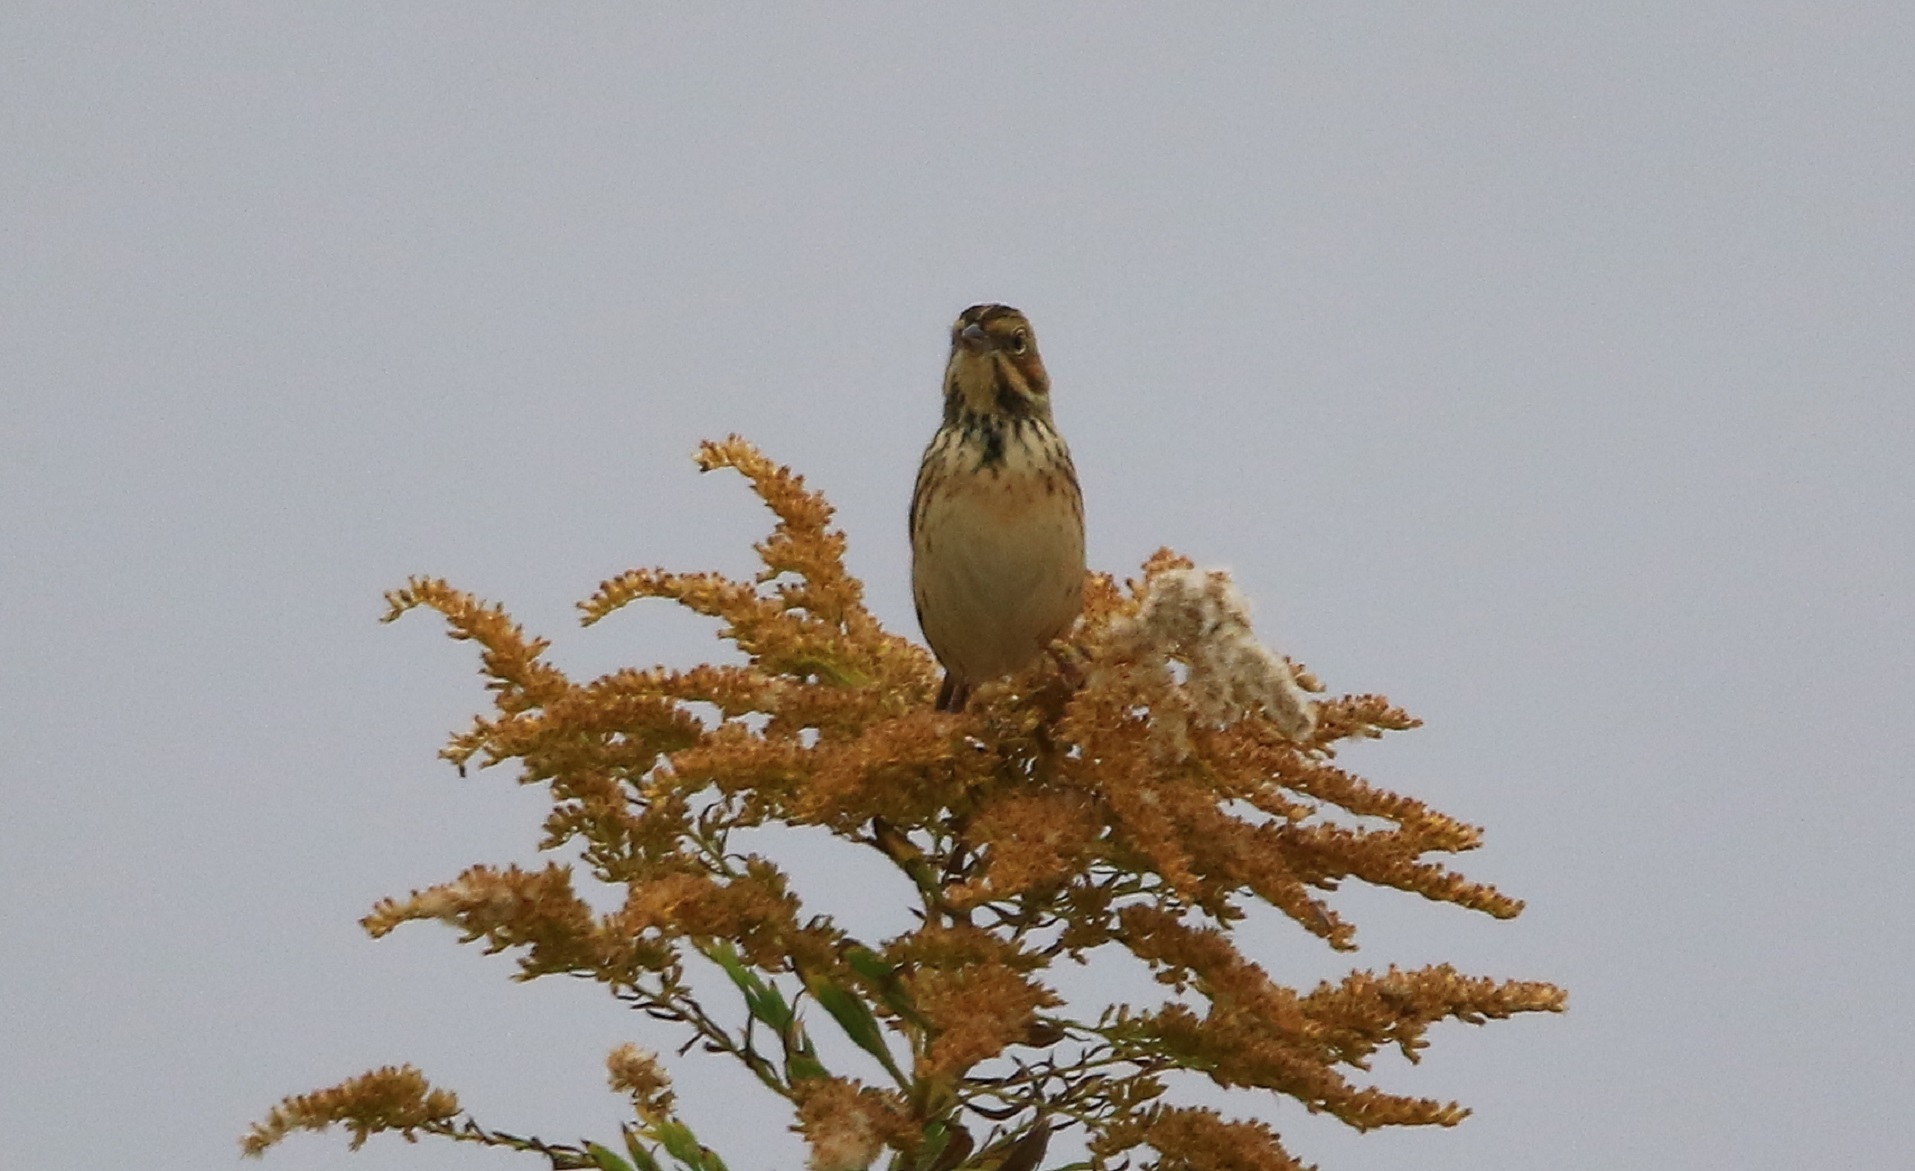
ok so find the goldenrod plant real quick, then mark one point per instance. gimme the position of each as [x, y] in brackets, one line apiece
[1135, 793]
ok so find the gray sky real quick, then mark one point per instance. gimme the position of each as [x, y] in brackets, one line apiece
[1544, 366]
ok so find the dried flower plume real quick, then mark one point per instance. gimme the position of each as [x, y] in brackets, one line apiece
[1136, 793]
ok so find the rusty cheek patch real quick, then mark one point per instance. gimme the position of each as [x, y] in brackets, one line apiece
[1032, 368]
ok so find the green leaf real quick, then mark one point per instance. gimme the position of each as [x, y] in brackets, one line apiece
[946, 1146]
[854, 1017]
[642, 1159]
[679, 1141]
[801, 1056]
[884, 976]
[605, 1159]
[766, 1003]
[762, 999]
[870, 965]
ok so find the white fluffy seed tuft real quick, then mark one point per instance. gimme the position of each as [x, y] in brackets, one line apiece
[1198, 618]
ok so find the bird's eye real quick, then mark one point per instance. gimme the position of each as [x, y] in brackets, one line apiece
[1020, 341]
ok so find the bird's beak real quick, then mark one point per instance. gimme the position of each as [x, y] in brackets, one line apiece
[973, 337]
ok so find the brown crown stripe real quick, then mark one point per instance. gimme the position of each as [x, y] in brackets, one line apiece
[984, 314]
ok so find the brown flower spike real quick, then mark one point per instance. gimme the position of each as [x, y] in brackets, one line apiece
[1178, 776]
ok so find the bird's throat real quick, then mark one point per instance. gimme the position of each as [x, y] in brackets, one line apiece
[990, 385]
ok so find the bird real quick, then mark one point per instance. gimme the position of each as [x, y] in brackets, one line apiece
[997, 516]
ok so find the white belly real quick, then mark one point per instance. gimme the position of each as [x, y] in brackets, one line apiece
[997, 570]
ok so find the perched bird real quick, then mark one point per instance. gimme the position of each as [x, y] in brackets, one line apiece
[997, 519]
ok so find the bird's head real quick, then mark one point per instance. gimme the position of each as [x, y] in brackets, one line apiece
[994, 367]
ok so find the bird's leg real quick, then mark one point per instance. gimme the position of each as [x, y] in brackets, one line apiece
[952, 695]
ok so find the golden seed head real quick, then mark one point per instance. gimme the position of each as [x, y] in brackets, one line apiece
[635, 1071]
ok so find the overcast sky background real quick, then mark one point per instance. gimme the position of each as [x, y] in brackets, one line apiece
[1546, 367]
